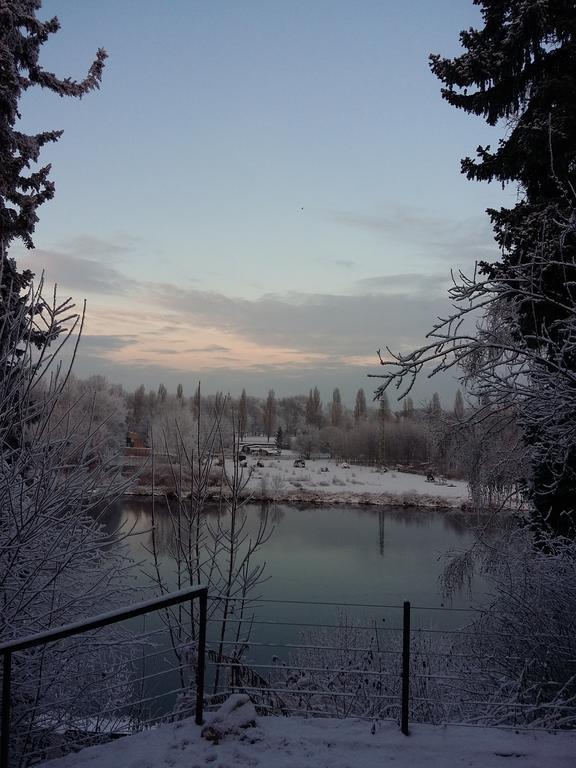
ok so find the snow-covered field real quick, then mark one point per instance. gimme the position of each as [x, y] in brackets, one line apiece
[279, 742]
[327, 481]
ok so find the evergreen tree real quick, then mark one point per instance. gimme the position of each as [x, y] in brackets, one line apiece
[521, 68]
[23, 191]
[279, 440]
[436, 405]
[360, 410]
[336, 413]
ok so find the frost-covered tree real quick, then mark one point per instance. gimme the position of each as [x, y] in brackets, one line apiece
[92, 414]
[336, 413]
[360, 409]
[314, 409]
[162, 393]
[384, 411]
[520, 68]
[242, 415]
[292, 412]
[269, 415]
[408, 408]
[459, 405]
[56, 563]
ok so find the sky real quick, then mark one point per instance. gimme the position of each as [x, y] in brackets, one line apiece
[262, 194]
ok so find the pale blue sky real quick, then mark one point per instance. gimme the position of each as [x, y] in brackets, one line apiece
[262, 193]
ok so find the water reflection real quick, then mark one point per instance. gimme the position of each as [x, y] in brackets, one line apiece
[352, 554]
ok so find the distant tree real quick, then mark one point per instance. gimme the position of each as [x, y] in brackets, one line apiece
[151, 403]
[308, 442]
[279, 441]
[436, 405]
[162, 393]
[459, 406]
[255, 416]
[336, 413]
[196, 403]
[292, 410]
[408, 408]
[360, 410]
[269, 415]
[180, 394]
[138, 417]
[242, 415]
[384, 412]
[217, 404]
[314, 409]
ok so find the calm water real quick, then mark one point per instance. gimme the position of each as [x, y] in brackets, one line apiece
[333, 554]
[340, 554]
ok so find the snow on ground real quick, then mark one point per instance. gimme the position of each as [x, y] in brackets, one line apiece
[278, 742]
[328, 481]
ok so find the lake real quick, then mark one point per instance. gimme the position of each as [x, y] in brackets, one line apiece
[333, 554]
[365, 559]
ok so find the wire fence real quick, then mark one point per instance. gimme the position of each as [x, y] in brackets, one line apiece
[404, 663]
[113, 676]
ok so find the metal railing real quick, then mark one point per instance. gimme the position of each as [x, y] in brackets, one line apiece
[7, 650]
[406, 663]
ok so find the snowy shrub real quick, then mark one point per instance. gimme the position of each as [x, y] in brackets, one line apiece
[523, 646]
[352, 669]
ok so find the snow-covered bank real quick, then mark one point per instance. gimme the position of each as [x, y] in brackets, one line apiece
[327, 482]
[279, 742]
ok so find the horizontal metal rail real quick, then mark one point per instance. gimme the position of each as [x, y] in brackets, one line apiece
[103, 620]
[97, 622]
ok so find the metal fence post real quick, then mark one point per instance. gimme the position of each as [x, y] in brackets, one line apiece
[405, 669]
[201, 657]
[6, 683]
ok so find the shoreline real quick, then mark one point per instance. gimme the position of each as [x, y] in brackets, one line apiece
[405, 500]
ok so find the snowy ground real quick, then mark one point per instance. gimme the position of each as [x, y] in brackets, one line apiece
[278, 742]
[327, 481]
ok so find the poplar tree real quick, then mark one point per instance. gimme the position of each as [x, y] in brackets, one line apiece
[314, 408]
[385, 412]
[360, 410]
[270, 414]
[459, 406]
[336, 412]
[242, 415]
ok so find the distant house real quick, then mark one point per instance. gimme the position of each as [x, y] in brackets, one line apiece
[136, 445]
